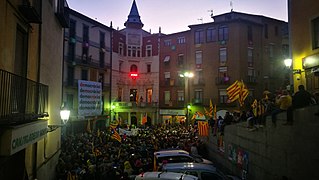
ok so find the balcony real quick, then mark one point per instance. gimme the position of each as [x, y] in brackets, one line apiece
[251, 80]
[125, 105]
[62, 13]
[22, 100]
[86, 61]
[222, 80]
[31, 10]
[73, 83]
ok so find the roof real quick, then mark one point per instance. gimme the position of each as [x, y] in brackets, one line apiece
[170, 152]
[134, 17]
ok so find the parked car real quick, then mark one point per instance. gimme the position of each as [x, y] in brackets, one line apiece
[202, 171]
[165, 176]
[176, 156]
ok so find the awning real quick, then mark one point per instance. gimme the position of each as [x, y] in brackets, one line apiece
[167, 58]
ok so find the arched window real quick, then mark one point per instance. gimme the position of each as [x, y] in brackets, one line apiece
[133, 68]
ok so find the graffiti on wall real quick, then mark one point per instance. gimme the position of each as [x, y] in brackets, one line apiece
[239, 157]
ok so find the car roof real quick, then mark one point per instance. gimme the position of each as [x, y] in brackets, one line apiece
[170, 152]
[164, 176]
[189, 166]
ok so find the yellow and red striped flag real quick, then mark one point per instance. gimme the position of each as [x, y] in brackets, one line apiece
[215, 112]
[209, 113]
[203, 128]
[233, 91]
[243, 93]
[116, 135]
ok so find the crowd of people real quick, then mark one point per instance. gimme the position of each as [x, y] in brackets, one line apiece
[89, 156]
[271, 104]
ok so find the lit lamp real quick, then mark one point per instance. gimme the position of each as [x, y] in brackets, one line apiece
[187, 75]
[65, 115]
[288, 63]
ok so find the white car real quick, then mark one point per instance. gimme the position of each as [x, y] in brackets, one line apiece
[176, 156]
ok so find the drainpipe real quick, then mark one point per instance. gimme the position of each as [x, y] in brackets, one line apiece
[111, 69]
[35, 145]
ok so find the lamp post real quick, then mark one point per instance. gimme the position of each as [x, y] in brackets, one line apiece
[288, 63]
[65, 115]
[187, 76]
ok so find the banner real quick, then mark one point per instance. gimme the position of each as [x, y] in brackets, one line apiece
[90, 98]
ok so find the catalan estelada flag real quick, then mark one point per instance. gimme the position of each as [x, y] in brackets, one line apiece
[203, 128]
[115, 135]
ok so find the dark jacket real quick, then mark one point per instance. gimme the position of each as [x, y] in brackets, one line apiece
[301, 99]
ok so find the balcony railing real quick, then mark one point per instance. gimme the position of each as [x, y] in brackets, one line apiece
[21, 100]
[136, 104]
[251, 79]
[222, 80]
[31, 10]
[87, 61]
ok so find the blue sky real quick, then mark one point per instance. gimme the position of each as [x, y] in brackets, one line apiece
[174, 15]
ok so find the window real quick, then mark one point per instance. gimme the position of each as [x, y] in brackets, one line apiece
[21, 52]
[167, 97]
[69, 101]
[84, 74]
[121, 48]
[167, 76]
[251, 72]
[148, 68]
[250, 58]
[315, 33]
[249, 33]
[101, 58]
[148, 50]
[149, 94]
[223, 96]
[133, 51]
[133, 95]
[181, 40]
[223, 33]
[119, 94]
[167, 42]
[211, 35]
[198, 58]
[222, 75]
[198, 77]
[101, 79]
[102, 40]
[198, 95]
[70, 77]
[180, 95]
[222, 56]
[72, 28]
[133, 68]
[180, 60]
[120, 66]
[266, 31]
[199, 36]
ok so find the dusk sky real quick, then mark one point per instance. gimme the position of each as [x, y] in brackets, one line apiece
[174, 15]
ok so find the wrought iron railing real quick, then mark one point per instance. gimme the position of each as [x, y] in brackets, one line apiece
[21, 99]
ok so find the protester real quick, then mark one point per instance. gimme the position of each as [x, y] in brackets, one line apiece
[301, 99]
[283, 102]
[96, 155]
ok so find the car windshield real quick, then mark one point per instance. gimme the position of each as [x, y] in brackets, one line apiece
[197, 159]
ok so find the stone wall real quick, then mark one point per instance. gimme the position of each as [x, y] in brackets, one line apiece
[273, 152]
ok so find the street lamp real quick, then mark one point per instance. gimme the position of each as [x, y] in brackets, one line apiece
[65, 115]
[187, 76]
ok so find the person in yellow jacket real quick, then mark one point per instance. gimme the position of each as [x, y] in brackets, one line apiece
[283, 102]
